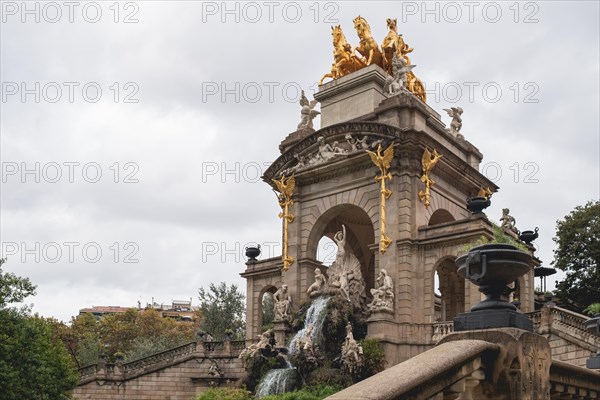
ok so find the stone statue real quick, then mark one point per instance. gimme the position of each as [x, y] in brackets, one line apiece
[352, 352]
[264, 343]
[214, 369]
[283, 304]
[383, 295]
[319, 286]
[357, 144]
[508, 223]
[398, 82]
[455, 113]
[305, 343]
[345, 277]
[307, 112]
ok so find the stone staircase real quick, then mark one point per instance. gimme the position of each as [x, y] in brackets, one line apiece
[177, 373]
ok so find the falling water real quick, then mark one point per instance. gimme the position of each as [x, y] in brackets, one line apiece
[314, 316]
[278, 381]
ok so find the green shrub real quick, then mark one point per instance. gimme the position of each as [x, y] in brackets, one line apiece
[374, 357]
[312, 393]
[225, 394]
[593, 309]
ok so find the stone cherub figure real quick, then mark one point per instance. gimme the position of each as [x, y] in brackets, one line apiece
[307, 112]
[455, 113]
[283, 303]
[508, 223]
[383, 295]
[214, 369]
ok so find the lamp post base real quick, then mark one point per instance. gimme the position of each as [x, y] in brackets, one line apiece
[487, 319]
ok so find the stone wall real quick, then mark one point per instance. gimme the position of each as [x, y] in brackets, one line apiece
[177, 374]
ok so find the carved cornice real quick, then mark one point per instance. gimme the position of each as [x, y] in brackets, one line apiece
[411, 145]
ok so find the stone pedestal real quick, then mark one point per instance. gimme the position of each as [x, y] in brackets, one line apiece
[522, 369]
[280, 329]
[351, 96]
[488, 319]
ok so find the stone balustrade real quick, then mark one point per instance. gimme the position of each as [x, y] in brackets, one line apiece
[443, 369]
[122, 371]
[505, 363]
[441, 330]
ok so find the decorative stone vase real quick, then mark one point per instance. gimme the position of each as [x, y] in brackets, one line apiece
[492, 267]
[477, 204]
[592, 325]
[252, 252]
[529, 236]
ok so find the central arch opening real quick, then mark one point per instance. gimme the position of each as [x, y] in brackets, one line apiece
[360, 238]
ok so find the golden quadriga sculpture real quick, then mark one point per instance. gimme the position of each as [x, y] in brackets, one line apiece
[346, 60]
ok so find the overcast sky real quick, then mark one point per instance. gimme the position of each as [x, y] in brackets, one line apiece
[140, 129]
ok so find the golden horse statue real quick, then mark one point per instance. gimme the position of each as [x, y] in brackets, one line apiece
[367, 46]
[344, 60]
[393, 43]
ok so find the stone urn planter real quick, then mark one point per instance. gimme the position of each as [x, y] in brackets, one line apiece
[252, 253]
[592, 325]
[477, 204]
[529, 236]
[493, 267]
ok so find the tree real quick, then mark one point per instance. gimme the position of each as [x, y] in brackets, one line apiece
[13, 289]
[34, 364]
[578, 254]
[222, 308]
[134, 333]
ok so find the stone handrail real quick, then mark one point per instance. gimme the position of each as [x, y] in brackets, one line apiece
[159, 357]
[569, 318]
[444, 368]
[570, 381]
[120, 370]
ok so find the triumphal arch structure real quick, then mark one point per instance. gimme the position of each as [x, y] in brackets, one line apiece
[409, 219]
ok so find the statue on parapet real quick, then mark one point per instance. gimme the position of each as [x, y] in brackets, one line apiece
[455, 113]
[367, 47]
[398, 81]
[508, 224]
[283, 304]
[383, 295]
[307, 112]
[344, 60]
[393, 45]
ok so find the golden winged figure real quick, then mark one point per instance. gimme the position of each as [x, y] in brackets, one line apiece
[382, 161]
[285, 187]
[429, 160]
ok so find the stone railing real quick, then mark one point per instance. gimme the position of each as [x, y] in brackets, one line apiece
[568, 318]
[446, 370]
[168, 355]
[441, 330]
[557, 320]
[120, 370]
[568, 381]
[87, 371]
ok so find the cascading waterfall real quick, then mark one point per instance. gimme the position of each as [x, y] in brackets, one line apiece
[281, 380]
